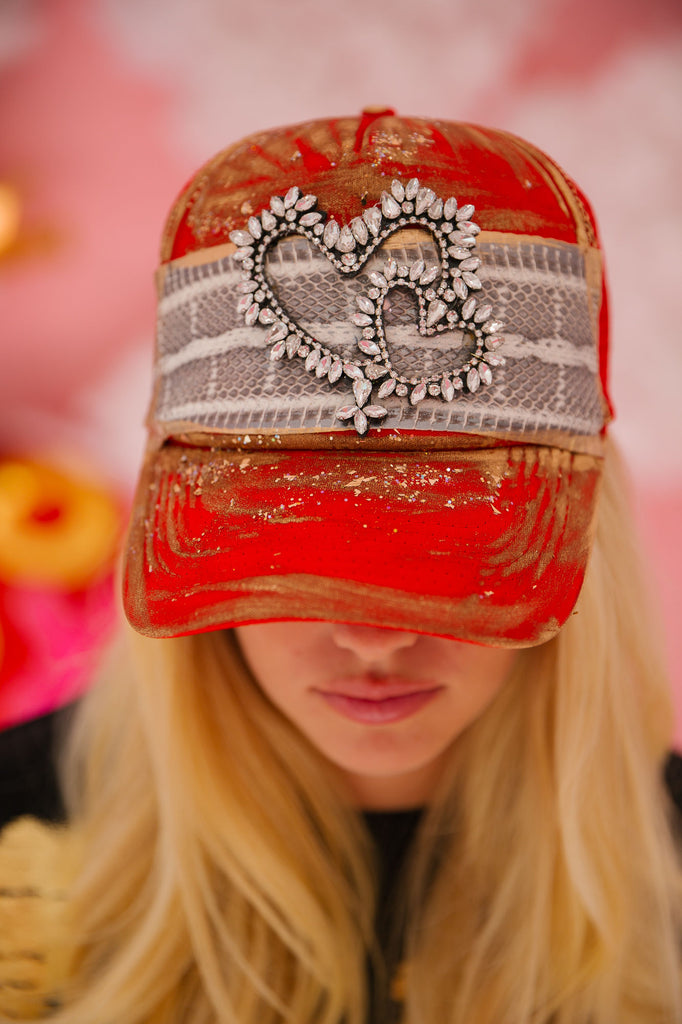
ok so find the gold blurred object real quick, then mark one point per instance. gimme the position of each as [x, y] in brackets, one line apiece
[55, 530]
[10, 216]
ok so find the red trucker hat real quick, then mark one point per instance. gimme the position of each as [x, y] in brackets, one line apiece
[380, 387]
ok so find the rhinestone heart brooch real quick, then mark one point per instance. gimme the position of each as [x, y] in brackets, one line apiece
[443, 294]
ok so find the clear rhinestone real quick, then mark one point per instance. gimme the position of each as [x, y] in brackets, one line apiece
[435, 312]
[378, 279]
[348, 259]
[473, 379]
[303, 351]
[244, 304]
[387, 388]
[368, 332]
[292, 345]
[403, 270]
[401, 390]
[251, 314]
[277, 351]
[375, 412]
[450, 208]
[268, 220]
[259, 295]
[254, 226]
[243, 254]
[465, 213]
[460, 289]
[483, 312]
[468, 309]
[446, 227]
[246, 264]
[458, 384]
[360, 422]
[291, 196]
[418, 394]
[306, 202]
[290, 216]
[485, 373]
[425, 197]
[449, 295]
[472, 281]
[361, 319]
[492, 342]
[352, 371]
[493, 326]
[469, 227]
[458, 252]
[390, 268]
[346, 412]
[331, 233]
[266, 316]
[429, 275]
[247, 286]
[277, 205]
[362, 389]
[241, 237]
[373, 293]
[308, 219]
[370, 348]
[389, 207]
[436, 210]
[372, 218]
[322, 368]
[312, 359]
[470, 263]
[494, 359]
[346, 241]
[359, 229]
[434, 390]
[398, 190]
[335, 371]
[318, 229]
[373, 371]
[411, 189]
[417, 269]
[447, 389]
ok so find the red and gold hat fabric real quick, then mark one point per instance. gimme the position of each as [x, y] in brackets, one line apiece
[380, 389]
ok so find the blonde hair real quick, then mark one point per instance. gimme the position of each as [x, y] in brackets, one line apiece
[227, 881]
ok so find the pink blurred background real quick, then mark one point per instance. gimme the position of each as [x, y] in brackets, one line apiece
[109, 105]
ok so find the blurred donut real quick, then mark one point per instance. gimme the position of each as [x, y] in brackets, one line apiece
[55, 530]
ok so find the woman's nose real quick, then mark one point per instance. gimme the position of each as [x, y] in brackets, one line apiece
[371, 643]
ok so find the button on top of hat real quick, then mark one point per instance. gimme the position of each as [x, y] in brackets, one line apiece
[377, 111]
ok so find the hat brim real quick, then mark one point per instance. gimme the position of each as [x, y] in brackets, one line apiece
[485, 545]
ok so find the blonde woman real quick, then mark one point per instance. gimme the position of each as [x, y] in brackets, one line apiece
[387, 739]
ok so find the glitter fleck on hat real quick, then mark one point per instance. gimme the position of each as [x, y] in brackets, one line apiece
[380, 387]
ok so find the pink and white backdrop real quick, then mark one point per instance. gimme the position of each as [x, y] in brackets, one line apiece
[107, 106]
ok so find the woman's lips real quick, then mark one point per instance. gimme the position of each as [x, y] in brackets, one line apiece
[378, 703]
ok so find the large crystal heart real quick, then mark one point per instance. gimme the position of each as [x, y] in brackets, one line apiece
[436, 281]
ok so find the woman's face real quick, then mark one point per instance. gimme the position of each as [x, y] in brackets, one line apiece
[382, 705]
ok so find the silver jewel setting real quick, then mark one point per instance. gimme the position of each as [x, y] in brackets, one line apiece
[443, 293]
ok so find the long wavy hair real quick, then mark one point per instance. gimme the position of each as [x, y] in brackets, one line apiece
[226, 880]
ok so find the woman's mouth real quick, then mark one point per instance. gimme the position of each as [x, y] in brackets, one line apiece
[373, 702]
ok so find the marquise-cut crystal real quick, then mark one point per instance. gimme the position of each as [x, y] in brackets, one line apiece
[424, 199]
[418, 394]
[447, 389]
[387, 388]
[473, 379]
[254, 226]
[335, 371]
[306, 202]
[378, 279]
[468, 227]
[277, 351]
[459, 287]
[266, 316]
[241, 237]
[375, 370]
[322, 368]
[471, 263]
[360, 422]
[458, 252]
[251, 314]
[462, 239]
[417, 269]
[472, 281]
[361, 319]
[492, 342]
[362, 389]
[435, 312]
[291, 196]
[483, 312]
[365, 304]
[359, 229]
[352, 371]
[468, 308]
[244, 253]
[429, 275]
[244, 303]
[268, 220]
[493, 326]
[346, 412]
[389, 207]
[312, 359]
[277, 205]
[375, 412]
[370, 348]
[465, 212]
[390, 268]
[346, 241]
[308, 219]
[485, 373]
[450, 208]
[398, 190]
[247, 286]
[495, 359]
[372, 218]
[436, 210]
[331, 233]
[411, 188]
